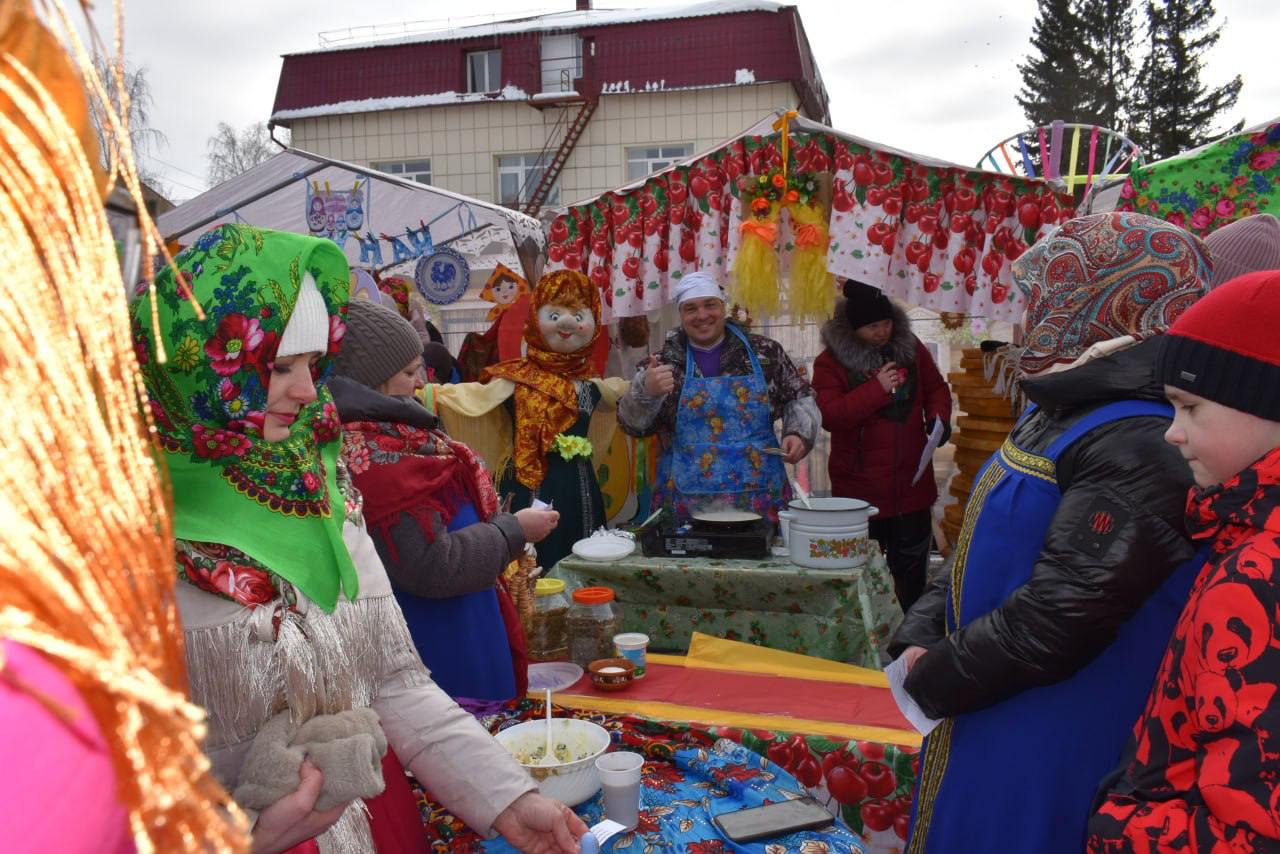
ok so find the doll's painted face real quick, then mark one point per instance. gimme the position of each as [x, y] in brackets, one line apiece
[566, 330]
[504, 291]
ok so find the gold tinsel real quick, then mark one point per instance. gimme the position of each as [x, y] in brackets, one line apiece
[86, 548]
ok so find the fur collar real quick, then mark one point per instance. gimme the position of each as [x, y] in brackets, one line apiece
[838, 336]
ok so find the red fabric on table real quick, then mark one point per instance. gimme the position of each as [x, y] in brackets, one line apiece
[755, 693]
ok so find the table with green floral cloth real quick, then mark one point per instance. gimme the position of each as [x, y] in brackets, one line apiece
[845, 615]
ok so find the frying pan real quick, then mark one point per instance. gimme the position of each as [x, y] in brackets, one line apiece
[725, 520]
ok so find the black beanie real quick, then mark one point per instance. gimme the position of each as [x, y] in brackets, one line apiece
[865, 304]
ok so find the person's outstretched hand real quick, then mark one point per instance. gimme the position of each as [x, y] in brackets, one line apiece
[793, 449]
[912, 655]
[293, 818]
[538, 825]
[536, 524]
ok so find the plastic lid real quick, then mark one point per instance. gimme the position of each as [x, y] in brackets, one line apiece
[593, 595]
[548, 587]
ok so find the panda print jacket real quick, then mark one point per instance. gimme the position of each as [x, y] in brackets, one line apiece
[1201, 771]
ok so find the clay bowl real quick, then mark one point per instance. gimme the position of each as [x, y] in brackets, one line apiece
[611, 674]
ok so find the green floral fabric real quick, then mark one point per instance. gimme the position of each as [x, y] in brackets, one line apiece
[844, 615]
[277, 502]
[1208, 188]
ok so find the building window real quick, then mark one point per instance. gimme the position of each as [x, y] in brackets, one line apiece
[518, 177]
[646, 161]
[413, 170]
[484, 71]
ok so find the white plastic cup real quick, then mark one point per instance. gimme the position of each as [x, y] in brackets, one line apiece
[784, 527]
[620, 778]
[633, 646]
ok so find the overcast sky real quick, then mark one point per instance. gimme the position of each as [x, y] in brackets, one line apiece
[915, 74]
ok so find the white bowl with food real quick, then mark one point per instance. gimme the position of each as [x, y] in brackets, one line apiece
[572, 779]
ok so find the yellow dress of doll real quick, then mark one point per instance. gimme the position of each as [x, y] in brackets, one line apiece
[563, 419]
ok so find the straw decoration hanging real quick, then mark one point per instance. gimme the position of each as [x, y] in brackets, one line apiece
[86, 549]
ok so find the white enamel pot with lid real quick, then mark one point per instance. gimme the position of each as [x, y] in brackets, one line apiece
[829, 534]
[831, 512]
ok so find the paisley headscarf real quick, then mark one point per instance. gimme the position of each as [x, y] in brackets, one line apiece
[546, 398]
[278, 502]
[1105, 277]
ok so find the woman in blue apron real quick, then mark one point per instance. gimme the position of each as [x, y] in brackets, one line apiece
[1036, 759]
[1038, 649]
[717, 459]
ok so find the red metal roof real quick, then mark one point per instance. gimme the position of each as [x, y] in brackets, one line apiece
[680, 53]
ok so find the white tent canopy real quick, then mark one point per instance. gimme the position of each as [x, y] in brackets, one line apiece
[381, 221]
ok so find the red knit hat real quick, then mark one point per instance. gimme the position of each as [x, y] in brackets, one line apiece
[1226, 347]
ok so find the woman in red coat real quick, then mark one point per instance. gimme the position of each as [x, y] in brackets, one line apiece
[879, 392]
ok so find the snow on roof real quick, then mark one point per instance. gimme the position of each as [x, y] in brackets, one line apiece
[574, 20]
[371, 105]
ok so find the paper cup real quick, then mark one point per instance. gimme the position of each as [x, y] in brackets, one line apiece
[620, 777]
[632, 646]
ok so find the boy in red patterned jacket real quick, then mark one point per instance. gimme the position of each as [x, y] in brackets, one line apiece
[1202, 770]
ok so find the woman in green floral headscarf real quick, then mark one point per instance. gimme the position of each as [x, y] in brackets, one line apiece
[295, 645]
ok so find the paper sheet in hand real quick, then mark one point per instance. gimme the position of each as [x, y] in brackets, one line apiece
[926, 457]
[897, 674]
[605, 830]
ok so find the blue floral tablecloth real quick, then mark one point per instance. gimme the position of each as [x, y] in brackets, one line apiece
[680, 798]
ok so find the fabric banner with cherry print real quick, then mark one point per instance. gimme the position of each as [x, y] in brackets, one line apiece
[934, 235]
[1206, 189]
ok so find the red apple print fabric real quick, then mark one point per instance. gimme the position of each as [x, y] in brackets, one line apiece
[1207, 189]
[1200, 772]
[937, 235]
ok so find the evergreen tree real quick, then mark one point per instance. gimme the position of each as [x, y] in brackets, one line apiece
[1052, 76]
[1108, 65]
[1174, 110]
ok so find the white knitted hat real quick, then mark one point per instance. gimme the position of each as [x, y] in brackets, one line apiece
[308, 328]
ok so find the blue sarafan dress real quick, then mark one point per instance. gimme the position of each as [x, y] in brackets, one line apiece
[1020, 776]
[461, 638]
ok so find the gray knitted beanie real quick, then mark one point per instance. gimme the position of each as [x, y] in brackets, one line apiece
[379, 343]
[1248, 245]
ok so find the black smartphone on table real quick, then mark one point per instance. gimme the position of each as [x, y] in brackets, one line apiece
[778, 819]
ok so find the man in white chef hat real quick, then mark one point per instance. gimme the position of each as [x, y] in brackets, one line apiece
[713, 395]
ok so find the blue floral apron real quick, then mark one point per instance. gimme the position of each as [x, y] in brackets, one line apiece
[1020, 776]
[716, 458]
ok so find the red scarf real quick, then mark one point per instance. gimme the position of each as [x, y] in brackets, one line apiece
[399, 468]
[404, 469]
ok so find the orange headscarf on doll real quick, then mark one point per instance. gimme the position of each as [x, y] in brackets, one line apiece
[546, 399]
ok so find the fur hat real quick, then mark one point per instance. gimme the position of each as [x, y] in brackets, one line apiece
[865, 304]
[1247, 245]
[379, 343]
[1225, 348]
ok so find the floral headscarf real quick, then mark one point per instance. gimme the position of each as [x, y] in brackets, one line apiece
[278, 502]
[1104, 277]
[546, 399]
